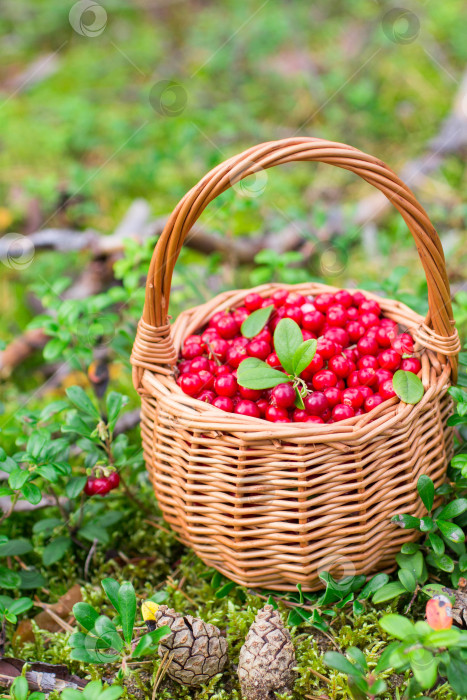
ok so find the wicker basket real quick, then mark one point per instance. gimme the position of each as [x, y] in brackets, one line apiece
[272, 505]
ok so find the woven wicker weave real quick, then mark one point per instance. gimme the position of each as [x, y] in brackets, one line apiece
[272, 505]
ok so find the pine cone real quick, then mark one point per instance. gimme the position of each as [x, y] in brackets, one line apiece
[267, 658]
[198, 650]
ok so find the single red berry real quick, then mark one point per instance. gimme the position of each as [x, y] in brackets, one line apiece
[358, 298]
[239, 342]
[207, 396]
[340, 384]
[365, 392]
[193, 339]
[191, 384]
[324, 379]
[222, 369]
[218, 348]
[114, 480]
[209, 334]
[313, 419]
[352, 397]
[382, 375]
[100, 486]
[340, 365]
[253, 301]
[367, 362]
[199, 364]
[250, 394]
[236, 355]
[369, 320]
[265, 335]
[299, 415]
[359, 412]
[326, 415]
[385, 336]
[313, 321]
[353, 314]
[307, 307]
[308, 335]
[351, 354]
[276, 414]
[342, 412]
[295, 299]
[184, 366]
[273, 361]
[403, 344]
[225, 385]
[336, 315]
[344, 298]
[386, 389]
[411, 364]
[207, 378]
[369, 306]
[192, 350]
[367, 346]
[259, 348]
[372, 401]
[333, 396]
[326, 348]
[324, 301]
[224, 403]
[293, 312]
[247, 408]
[278, 298]
[89, 487]
[367, 376]
[316, 403]
[283, 395]
[356, 330]
[227, 327]
[315, 365]
[262, 406]
[389, 359]
[240, 315]
[339, 336]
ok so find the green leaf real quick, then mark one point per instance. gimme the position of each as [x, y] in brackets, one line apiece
[378, 687]
[436, 543]
[54, 349]
[85, 615]
[55, 550]
[426, 491]
[15, 547]
[388, 592]
[444, 562]
[373, 585]
[287, 339]
[111, 693]
[127, 607]
[384, 661]
[408, 386]
[115, 402]
[339, 663]
[413, 562]
[457, 676]
[75, 485]
[256, 374]
[424, 666]
[9, 579]
[451, 531]
[442, 638]
[298, 399]
[46, 525]
[255, 322]
[304, 355]
[359, 657]
[20, 605]
[453, 509]
[224, 591]
[18, 478]
[406, 522]
[426, 524]
[31, 579]
[32, 493]
[111, 588]
[20, 688]
[398, 626]
[407, 579]
[81, 400]
[463, 563]
[149, 642]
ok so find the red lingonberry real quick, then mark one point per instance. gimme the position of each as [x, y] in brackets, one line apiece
[333, 396]
[339, 336]
[225, 385]
[283, 395]
[382, 375]
[299, 415]
[184, 366]
[308, 307]
[247, 408]
[265, 335]
[403, 344]
[358, 298]
[369, 320]
[313, 321]
[222, 369]
[353, 379]
[411, 364]
[250, 394]
[227, 326]
[365, 391]
[359, 412]
[323, 379]
[385, 336]
[351, 354]
[99, 486]
[324, 301]
[193, 339]
[316, 403]
[253, 301]
[367, 376]
[326, 348]
[386, 389]
[313, 419]
[199, 364]
[239, 342]
[262, 406]
[207, 378]
[367, 346]
[236, 355]
[240, 315]
[218, 348]
[340, 365]
[113, 480]
[192, 350]
[372, 401]
[208, 334]
[225, 403]
[273, 361]
[207, 396]
[258, 348]
[191, 384]
[278, 298]
[315, 365]
[367, 362]
[336, 315]
[389, 359]
[295, 299]
[369, 306]
[342, 411]
[356, 330]
[352, 397]
[308, 335]
[353, 314]
[293, 312]
[276, 414]
[344, 298]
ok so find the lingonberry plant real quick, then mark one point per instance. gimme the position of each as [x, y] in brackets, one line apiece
[290, 357]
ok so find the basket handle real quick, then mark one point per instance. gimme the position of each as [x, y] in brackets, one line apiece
[266, 155]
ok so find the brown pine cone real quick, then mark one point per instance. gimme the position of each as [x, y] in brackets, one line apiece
[197, 649]
[267, 658]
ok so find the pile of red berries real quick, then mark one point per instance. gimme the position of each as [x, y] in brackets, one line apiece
[358, 351]
[101, 484]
